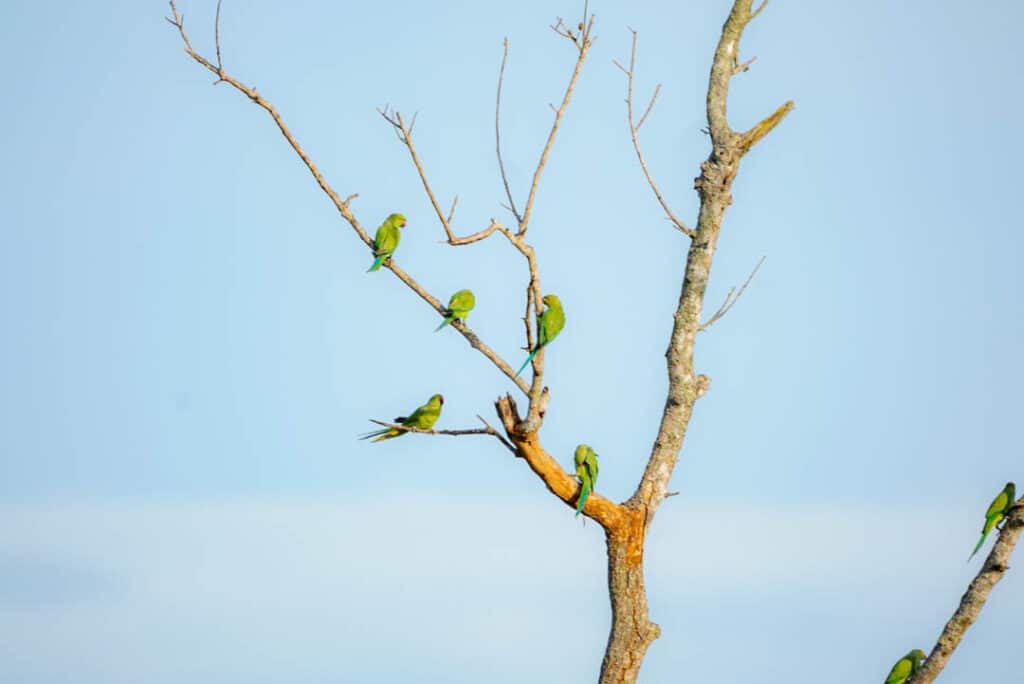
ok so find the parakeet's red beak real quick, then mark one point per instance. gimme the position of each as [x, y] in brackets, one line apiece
[442, 399]
[403, 225]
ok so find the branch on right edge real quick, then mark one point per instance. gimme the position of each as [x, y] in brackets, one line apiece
[996, 565]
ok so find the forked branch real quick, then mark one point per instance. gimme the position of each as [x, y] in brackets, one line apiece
[634, 133]
[730, 300]
[582, 40]
[342, 205]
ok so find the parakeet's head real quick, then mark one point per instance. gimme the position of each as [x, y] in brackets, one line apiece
[550, 300]
[397, 220]
[918, 654]
[437, 399]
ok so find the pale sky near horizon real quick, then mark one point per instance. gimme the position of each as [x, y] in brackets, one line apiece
[191, 343]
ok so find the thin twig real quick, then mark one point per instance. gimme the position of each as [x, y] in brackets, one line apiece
[583, 44]
[216, 38]
[650, 106]
[753, 15]
[730, 301]
[394, 118]
[497, 134]
[488, 430]
[342, 205]
[451, 212]
[634, 133]
[738, 68]
[476, 237]
[501, 437]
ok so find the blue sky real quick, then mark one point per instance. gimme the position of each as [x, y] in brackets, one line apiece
[191, 343]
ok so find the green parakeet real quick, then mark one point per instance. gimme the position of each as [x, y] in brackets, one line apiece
[386, 241]
[905, 666]
[996, 512]
[422, 418]
[459, 306]
[586, 471]
[551, 323]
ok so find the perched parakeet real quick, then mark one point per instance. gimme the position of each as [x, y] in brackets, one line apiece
[422, 418]
[905, 666]
[996, 512]
[551, 323]
[459, 306]
[586, 471]
[386, 241]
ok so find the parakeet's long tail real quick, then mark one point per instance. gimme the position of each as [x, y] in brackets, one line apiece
[584, 493]
[980, 542]
[377, 262]
[527, 361]
[446, 321]
[381, 434]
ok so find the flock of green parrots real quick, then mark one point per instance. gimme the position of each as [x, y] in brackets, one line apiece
[552, 320]
[910, 663]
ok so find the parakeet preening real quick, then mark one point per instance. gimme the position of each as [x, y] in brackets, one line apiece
[459, 306]
[422, 418]
[386, 241]
[996, 512]
[551, 323]
[905, 666]
[586, 471]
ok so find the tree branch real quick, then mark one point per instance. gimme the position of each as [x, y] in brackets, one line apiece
[560, 483]
[730, 300]
[714, 189]
[634, 132]
[582, 43]
[405, 137]
[995, 566]
[343, 205]
[486, 430]
[497, 134]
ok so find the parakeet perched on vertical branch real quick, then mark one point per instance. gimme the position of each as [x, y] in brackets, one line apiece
[586, 471]
[996, 512]
[905, 666]
[459, 306]
[422, 418]
[551, 323]
[386, 241]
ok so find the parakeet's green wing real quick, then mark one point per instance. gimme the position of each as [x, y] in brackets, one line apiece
[386, 239]
[425, 416]
[999, 505]
[591, 465]
[900, 671]
[463, 301]
[551, 322]
[995, 513]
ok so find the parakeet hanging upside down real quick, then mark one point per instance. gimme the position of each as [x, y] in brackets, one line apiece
[385, 242]
[422, 418]
[586, 471]
[459, 306]
[905, 666]
[996, 512]
[551, 323]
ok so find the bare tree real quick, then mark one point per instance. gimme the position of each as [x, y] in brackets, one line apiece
[625, 523]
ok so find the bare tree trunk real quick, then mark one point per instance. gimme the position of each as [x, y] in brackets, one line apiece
[632, 630]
